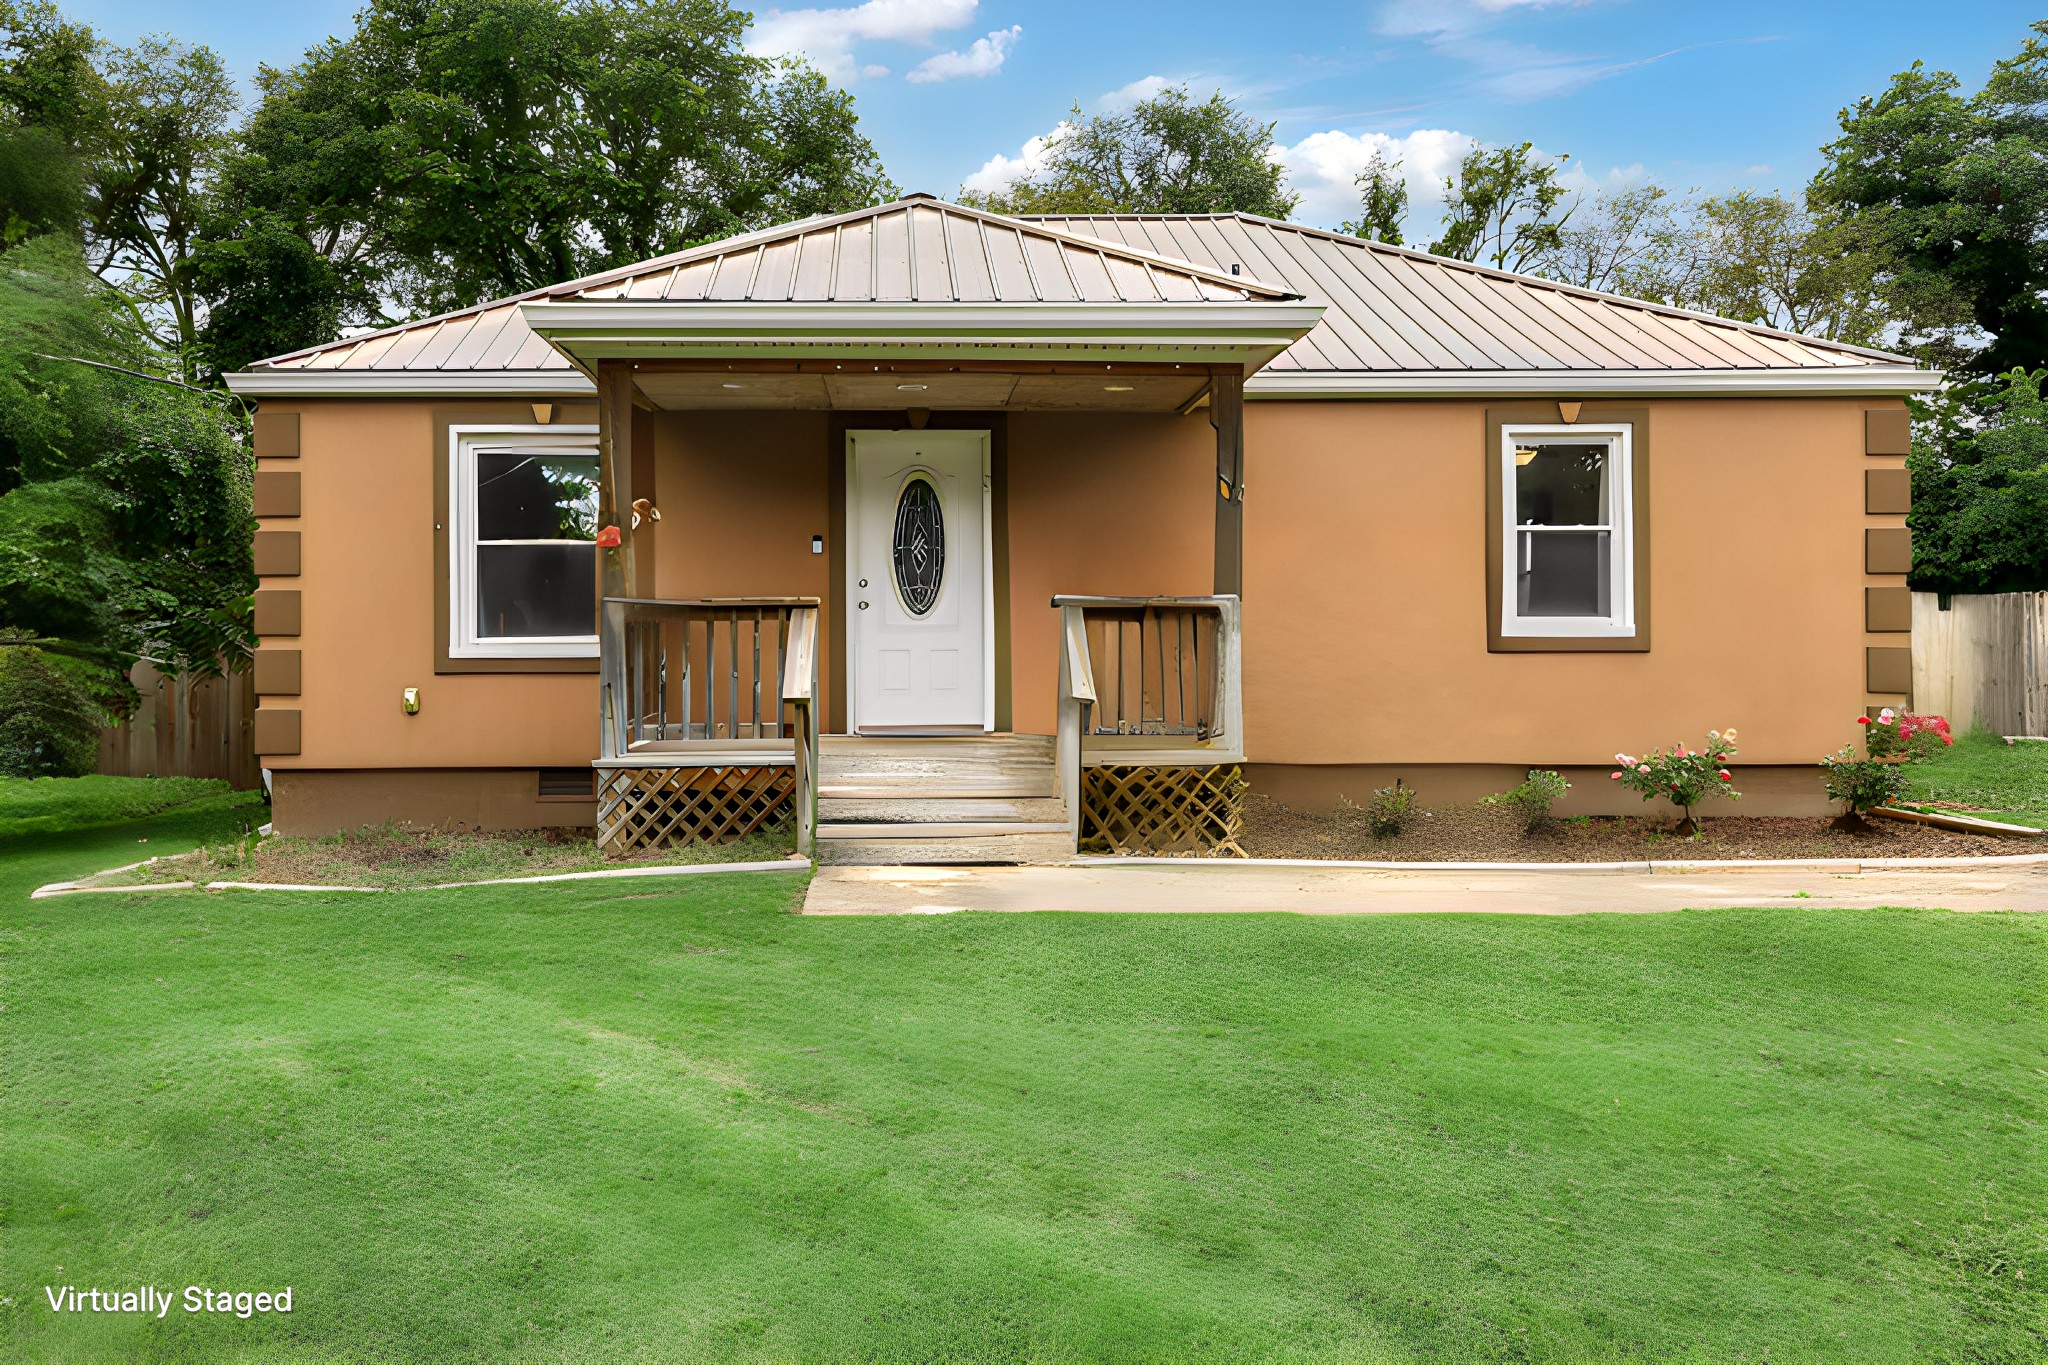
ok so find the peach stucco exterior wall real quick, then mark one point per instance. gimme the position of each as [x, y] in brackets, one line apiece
[366, 588]
[1365, 592]
[1111, 504]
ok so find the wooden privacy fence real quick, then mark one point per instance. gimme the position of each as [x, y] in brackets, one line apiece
[1984, 661]
[186, 726]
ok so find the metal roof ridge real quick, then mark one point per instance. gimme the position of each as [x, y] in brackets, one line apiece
[806, 226]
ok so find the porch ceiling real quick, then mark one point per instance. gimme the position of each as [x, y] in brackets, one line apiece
[868, 387]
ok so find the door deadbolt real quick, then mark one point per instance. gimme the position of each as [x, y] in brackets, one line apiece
[863, 582]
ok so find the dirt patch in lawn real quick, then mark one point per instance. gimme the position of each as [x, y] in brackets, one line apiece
[397, 856]
[1492, 834]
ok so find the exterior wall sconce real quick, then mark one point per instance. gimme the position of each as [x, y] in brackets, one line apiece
[817, 545]
[409, 701]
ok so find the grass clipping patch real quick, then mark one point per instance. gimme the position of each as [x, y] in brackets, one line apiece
[397, 857]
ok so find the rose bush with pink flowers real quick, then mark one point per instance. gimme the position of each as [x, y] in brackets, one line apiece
[1684, 777]
[1893, 734]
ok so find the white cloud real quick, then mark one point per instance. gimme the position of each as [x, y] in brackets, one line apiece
[827, 36]
[999, 172]
[1323, 167]
[984, 58]
[1138, 91]
[874, 71]
[1762, 168]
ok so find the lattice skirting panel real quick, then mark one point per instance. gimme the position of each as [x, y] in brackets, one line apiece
[1162, 810]
[640, 808]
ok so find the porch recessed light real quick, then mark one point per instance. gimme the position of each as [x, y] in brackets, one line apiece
[730, 385]
[912, 388]
[1116, 388]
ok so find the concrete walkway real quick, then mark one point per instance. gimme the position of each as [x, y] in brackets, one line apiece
[1224, 886]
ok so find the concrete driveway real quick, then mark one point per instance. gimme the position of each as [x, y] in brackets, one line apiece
[1207, 887]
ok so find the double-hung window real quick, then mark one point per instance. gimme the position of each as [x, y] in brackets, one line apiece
[1568, 544]
[523, 542]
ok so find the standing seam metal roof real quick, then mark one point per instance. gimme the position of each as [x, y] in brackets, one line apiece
[1392, 308]
[1389, 309]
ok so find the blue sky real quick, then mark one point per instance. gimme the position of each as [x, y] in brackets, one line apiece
[1715, 95]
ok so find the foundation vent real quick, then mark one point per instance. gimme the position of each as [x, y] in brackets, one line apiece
[568, 784]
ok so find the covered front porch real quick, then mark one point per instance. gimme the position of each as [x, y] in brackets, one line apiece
[1061, 670]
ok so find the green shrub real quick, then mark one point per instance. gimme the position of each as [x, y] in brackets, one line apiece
[1862, 784]
[1532, 799]
[1684, 777]
[48, 726]
[1388, 811]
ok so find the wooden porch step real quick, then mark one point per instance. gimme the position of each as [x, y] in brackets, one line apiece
[1009, 849]
[878, 767]
[941, 829]
[898, 807]
[892, 800]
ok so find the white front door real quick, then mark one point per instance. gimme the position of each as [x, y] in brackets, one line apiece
[918, 585]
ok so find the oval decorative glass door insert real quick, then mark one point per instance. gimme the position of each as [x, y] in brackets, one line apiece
[919, 549]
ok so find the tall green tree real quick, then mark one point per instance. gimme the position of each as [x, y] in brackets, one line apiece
[166, 123]
[1166, 154]
[1764, 258]
[1502, 208]
[1383, 202]
[124, 502]
[146, 127]
[1949, 192]
[1637, 240]
[450, 151]
[1980, 487]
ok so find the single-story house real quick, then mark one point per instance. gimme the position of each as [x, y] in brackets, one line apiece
[965, 536]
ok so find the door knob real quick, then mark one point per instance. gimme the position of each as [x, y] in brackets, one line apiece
[863, 606]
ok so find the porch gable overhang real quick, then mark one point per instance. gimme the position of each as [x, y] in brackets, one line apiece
[1248, 333]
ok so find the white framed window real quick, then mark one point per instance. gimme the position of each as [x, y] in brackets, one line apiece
[1567, 528]
[522, 543]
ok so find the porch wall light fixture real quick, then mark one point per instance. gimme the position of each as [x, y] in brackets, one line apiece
[912, 388]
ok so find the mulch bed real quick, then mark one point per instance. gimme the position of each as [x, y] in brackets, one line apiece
[1492, 834]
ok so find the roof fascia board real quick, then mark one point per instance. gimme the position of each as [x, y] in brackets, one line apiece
[1871, 381]
[303, 383]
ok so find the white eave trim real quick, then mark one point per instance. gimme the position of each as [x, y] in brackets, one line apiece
[302, 383]
[1813, 380]
[590, 327]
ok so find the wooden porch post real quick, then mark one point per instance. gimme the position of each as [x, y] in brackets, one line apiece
[1226, 414]
[615, 567]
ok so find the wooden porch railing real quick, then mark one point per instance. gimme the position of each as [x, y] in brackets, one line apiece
[714, 681]
[1147, 682]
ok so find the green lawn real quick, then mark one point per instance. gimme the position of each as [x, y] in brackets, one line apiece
[605, 1121]
[2004, 781]
[42, 806]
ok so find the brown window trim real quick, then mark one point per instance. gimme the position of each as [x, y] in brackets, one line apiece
[1590, 414]
[510, 414]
